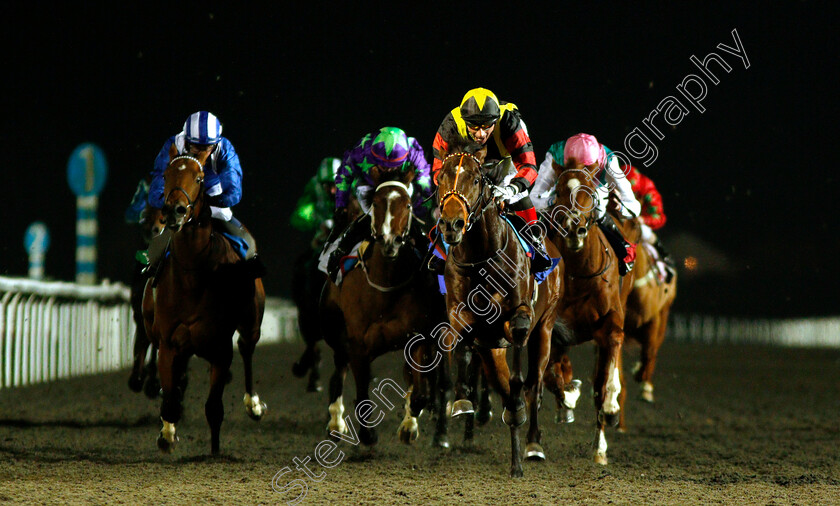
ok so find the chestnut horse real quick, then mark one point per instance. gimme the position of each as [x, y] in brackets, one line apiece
[595, 294]
[201, 295]
[143, 376]
[383, 305]
[648, 307]
[484, 254]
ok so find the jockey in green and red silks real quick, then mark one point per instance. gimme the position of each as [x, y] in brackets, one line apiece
[390, 150]
[480, 117]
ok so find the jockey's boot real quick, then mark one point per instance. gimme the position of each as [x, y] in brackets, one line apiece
[663, 253]
[543, 261]
[158, 245]
[624, 250]
[436, 264]
[234, 227]
[356, 231]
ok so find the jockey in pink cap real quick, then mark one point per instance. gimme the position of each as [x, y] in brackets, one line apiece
[586, 149]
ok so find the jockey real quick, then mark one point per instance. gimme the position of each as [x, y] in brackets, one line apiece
[315, 207]
[202, 134]
[480, 117]
[389, 150]
[586, 149]
[652, 215]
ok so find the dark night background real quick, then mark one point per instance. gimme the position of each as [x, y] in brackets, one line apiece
[747, 185]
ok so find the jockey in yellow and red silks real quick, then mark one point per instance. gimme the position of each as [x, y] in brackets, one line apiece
[483, 121]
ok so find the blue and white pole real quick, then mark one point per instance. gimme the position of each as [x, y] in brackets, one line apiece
[37, 242]
[86, 173]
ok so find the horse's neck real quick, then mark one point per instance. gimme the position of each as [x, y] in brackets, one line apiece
[191, 245]
[588, 260]
[484, 239]
[384, 271]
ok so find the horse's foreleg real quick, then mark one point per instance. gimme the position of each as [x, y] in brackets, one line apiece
[141, 348]
[538, 355]
[361, 374]
[171, 368]
[253, 405]
[152, 387]
[463, 386]
[607, 384]
[484, 413]
[214, 408]
[418, 395]
[650, 349]
[336, 407]
[442, 386]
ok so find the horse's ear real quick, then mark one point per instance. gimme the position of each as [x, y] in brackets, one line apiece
[408, 176]
[558, 167]
[173, 152]
[481, 154]
[593, 171]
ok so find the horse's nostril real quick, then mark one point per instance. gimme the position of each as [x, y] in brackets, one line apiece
[581, 230]
[180, 210]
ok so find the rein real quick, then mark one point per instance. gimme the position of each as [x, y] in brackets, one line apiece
[607, 264]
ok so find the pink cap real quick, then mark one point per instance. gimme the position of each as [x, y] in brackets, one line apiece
[585, 149]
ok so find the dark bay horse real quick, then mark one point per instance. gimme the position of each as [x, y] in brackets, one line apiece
[493, 299]
[595, 294]
[143, 375]
[307, 284]
[383, 305]
[203, 293]
[648, 307]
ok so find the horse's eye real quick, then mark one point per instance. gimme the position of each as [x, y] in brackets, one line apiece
[476, 181]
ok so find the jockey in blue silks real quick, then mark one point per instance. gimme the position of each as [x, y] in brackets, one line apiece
[202, 134]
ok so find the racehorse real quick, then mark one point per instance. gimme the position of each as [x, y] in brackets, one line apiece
[378, 307]
[595, 294]
[202, 294]
[648, 307]
[484, 254]
[141, 372]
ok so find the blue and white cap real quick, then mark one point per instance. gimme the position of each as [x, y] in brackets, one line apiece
[203, 127]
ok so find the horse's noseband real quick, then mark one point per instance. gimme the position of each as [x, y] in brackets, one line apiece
[468, 208]
[200, 180]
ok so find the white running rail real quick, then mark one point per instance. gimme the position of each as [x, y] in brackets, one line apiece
[54, 330]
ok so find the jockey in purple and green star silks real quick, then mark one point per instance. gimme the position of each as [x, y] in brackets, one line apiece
[389, 148]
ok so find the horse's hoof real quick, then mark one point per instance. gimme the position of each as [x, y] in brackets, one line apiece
[534, 452]
[601, 459]
[152, 389]
[254, 407]
[564, 415]
[299, 370]
[516, 472]
[368, 437]
[612, 420]
[462, 407]
[165, 445]
[441, 441]
[135, 383]
[514, 419]
[408, 432]
[314, 386]
[647, 392]
[483, 416]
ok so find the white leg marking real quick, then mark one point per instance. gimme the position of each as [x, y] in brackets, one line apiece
[337, 416]
[409, 426]
[611, 406]
[601, 449]
[571, 394]
[253, 404]
[168, 431]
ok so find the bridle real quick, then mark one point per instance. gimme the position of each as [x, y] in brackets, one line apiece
[190, 201]
[378, 237]
[408, 192]
[469, 210]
